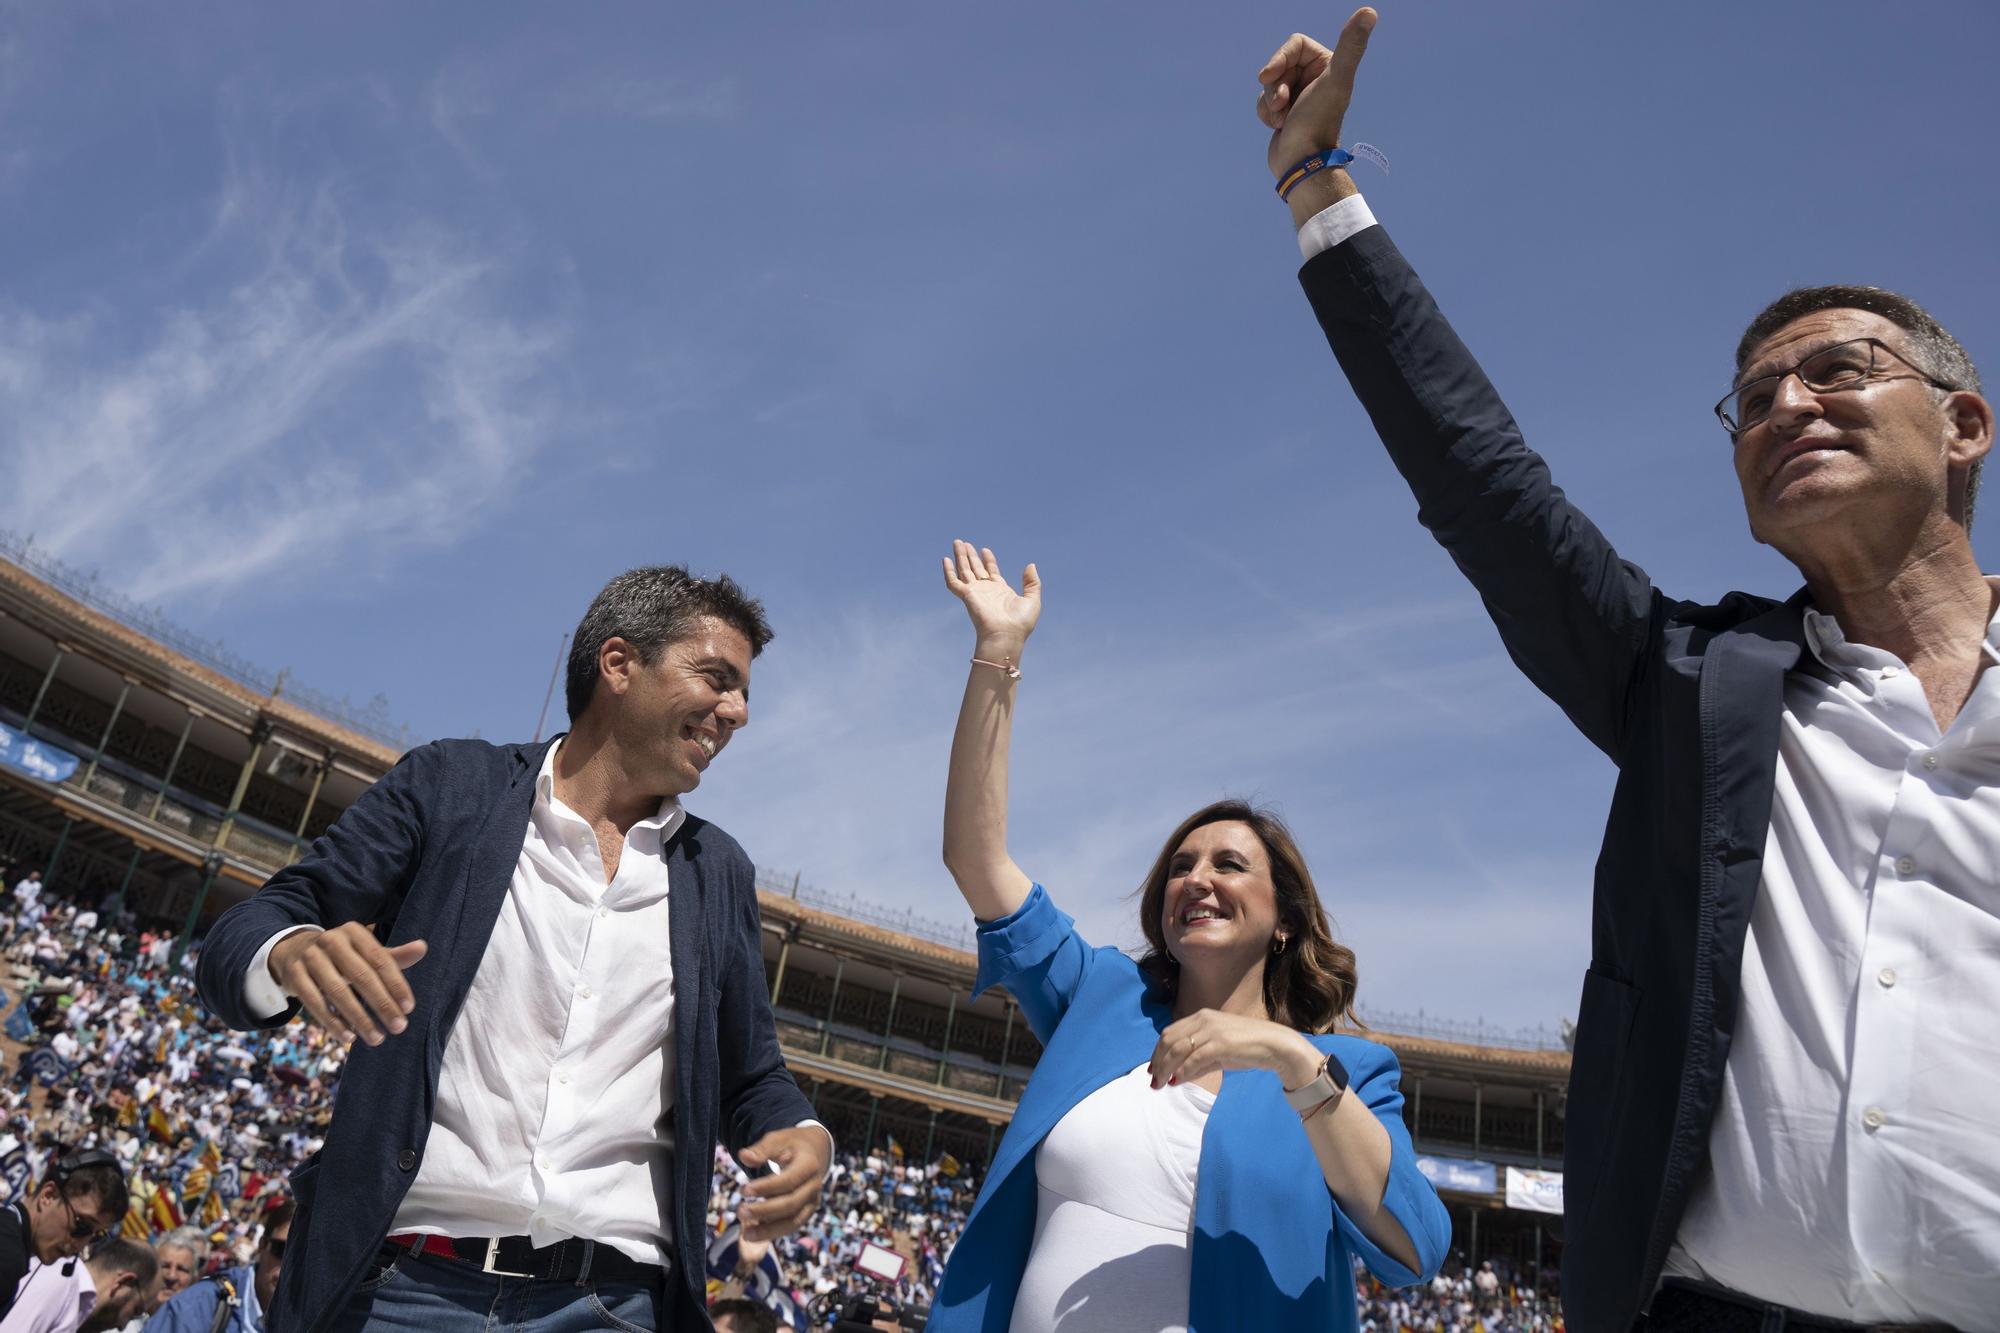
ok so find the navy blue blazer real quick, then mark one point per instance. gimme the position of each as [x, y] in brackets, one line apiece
[427, 853]
[1685, 699]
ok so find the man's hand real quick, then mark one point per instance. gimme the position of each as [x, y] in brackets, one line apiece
[349, 984]
[1306, 92]
[782, 1202]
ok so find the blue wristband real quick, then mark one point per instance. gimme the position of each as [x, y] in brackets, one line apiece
[1318, 162]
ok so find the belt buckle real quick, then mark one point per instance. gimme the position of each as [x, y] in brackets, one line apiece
[492, 1249]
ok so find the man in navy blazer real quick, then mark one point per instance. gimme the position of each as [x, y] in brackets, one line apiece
[554, 983]
[1783, 1085]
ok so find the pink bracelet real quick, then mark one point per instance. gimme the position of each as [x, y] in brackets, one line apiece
[1013, 672]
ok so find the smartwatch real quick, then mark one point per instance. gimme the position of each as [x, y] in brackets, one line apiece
[1327, 1085]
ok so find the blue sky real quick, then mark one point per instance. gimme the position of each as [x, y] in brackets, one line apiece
[371, 339]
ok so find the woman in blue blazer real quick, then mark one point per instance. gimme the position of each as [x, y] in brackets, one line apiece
[1196, 1150]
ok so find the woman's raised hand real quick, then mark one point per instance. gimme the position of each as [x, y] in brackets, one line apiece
[1002, 619]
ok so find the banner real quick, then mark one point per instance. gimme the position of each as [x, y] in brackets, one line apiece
[1535, 1191]
[1459, 1173]
[764, 1284]
[38, 759]
[44, 1066]
[15, 1168]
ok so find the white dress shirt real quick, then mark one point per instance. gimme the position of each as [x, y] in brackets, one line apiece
[554, 1105]
[48, 1300]
[1853, 1159]
[1854, 1169]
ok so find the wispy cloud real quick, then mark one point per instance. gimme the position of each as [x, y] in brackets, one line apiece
[841, 778]
[343, 386]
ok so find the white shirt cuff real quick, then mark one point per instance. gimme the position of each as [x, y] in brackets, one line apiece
[261, 991]
[1334, 224]
[829, 1141]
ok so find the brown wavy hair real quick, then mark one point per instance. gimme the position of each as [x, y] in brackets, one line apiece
[1311, 985]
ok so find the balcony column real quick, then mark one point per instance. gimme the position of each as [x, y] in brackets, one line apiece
[930, 1137]
[259, 735]
[1417, 1114]
[173, 765]
[1006, 1038]
[950, 1013]
[312, 799]
[131, 868]
[1538, 1128]
[104, 741]
[992, 1133]
[62, 840]
[784, 954]
[826, 1033]
[874, 1105]
[48, 679]
[895, 992]
[214, 867]
[1478, 1091]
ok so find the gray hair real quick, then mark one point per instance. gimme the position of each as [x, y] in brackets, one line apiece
[650, 608]
[1931, 349]
[192, 1239]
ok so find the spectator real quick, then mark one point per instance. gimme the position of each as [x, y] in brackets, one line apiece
[741, 1316]
[93, 1294]
[247, 1289]
[183, 1258]
[82, 1197]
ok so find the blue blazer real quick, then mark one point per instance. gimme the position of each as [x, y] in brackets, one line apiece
[1271, 1248]
[428, 853]
[1685, 699]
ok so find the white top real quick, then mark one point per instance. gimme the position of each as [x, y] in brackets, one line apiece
[1852, 1165]
[1115, 1182]
[49, 1300]
[1854, 1172]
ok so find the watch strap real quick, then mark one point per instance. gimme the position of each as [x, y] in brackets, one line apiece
[1329, 1082]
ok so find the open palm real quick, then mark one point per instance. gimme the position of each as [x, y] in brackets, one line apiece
[999, 614]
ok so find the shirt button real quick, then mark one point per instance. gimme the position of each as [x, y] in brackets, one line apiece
[1905, 865]
[406, 1160]
[564, 1078]
[604, 912]
[1887, 976]
[1930, 763]
[546, 1166]
[1873, 1117]
[1889, 673]
[585, 992]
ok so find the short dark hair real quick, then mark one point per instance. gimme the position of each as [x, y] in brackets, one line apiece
[99, 1180]
[749, 1314]
[277, 1214]
[650, 608]
[1932, 349]
[116, 1254]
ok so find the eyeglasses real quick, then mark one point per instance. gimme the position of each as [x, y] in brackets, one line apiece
[84, 1228]
[1848, 365]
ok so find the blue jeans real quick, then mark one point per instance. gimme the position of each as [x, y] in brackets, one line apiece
[420, 1293]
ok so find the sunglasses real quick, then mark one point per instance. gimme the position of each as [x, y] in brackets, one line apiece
[84, 1228]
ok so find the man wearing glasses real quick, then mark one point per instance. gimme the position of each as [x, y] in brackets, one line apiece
[80, 1201]
[1783, 1085]
[246, 1290]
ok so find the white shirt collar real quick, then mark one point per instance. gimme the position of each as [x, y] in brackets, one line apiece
[1830, 644]
[665, 820]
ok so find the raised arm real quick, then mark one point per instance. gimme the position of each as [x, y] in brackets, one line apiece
[975, 791]
[1574, 617]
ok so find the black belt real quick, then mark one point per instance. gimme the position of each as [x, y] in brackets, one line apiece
[1682, 1306]
[518, 1256]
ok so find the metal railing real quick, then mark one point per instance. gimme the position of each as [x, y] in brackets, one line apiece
[954, 935]
[371, 719]
[1478, 1032]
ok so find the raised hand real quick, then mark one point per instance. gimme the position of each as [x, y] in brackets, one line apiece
[347, 982]
[1002, 619]
[1306, 89]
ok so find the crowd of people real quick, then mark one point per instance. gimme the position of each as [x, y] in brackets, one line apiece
[206, 1123]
